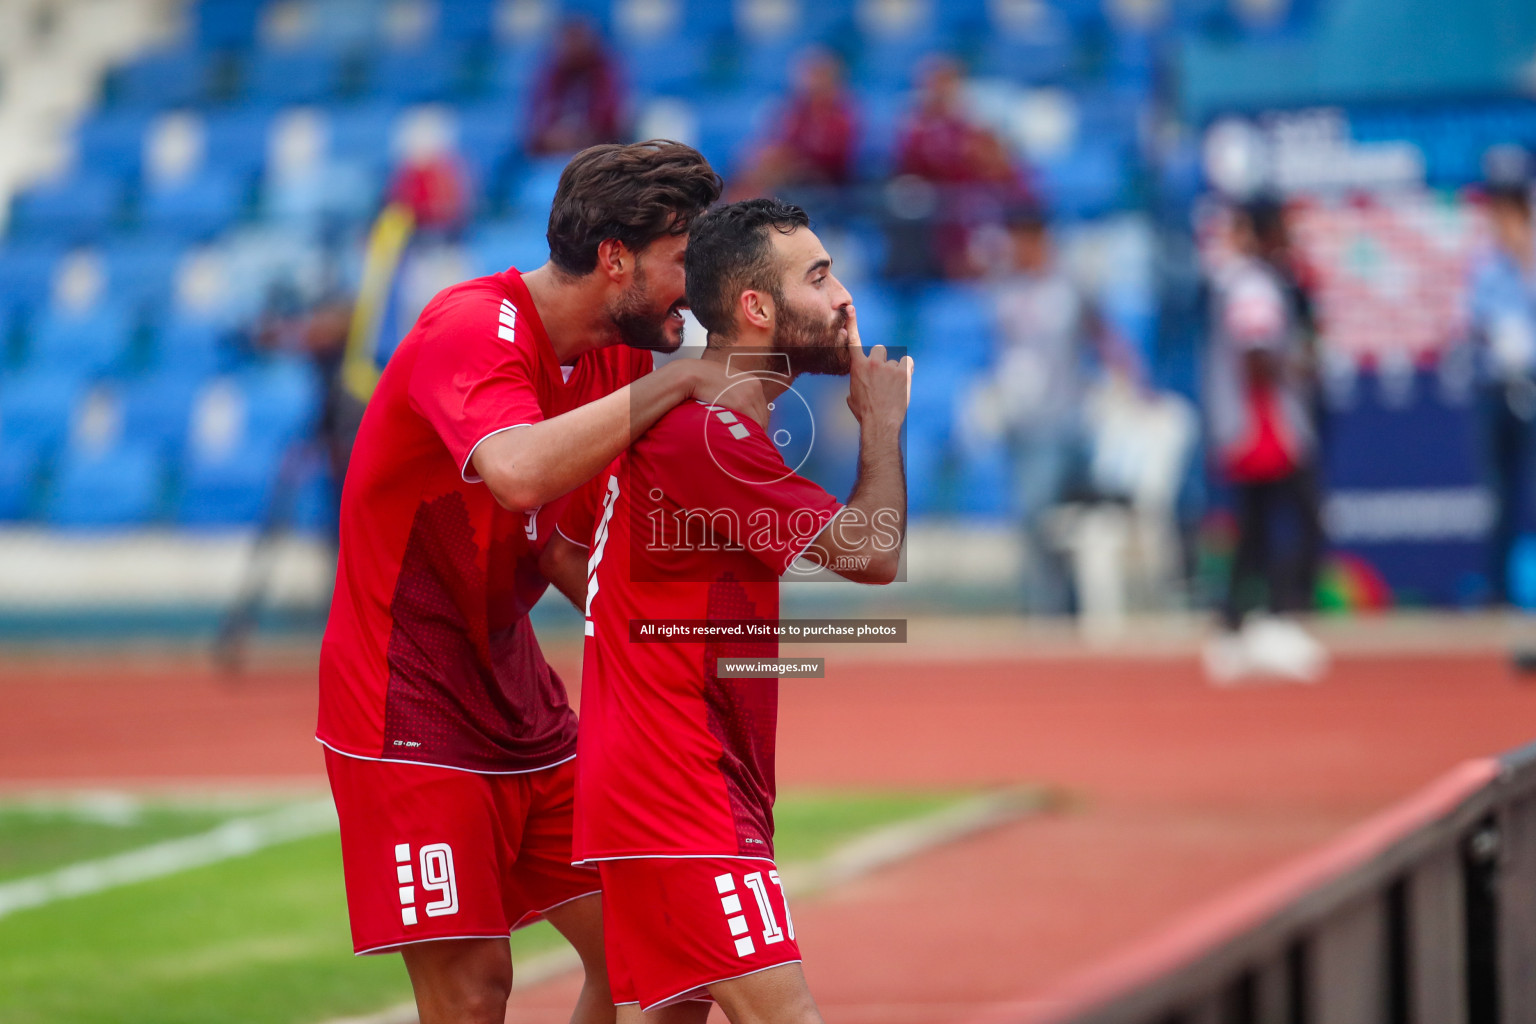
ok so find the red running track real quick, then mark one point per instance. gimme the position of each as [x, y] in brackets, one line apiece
[1175, 791]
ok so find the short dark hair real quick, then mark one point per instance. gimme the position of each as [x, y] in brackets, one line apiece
[1265, 216]
[1514, 195]
[633, 192]
[729, 251]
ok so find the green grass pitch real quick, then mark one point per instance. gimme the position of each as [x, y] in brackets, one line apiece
[262, 938]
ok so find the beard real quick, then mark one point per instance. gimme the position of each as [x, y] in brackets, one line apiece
[813, 345]
[638, 323]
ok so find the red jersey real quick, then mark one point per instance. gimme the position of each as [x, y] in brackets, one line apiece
[428, 654]
[696, 521]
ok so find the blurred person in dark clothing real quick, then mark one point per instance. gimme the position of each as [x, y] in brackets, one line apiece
[1502, 319]
[813, 143]
[940, 143]
[1051, 339]
[968, 170]
[578, 99]
[1259, 400]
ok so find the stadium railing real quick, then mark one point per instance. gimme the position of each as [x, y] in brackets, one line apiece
[1424, 914]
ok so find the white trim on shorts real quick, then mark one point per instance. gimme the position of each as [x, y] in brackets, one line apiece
[470, 458]
[533, 916]
[391, 946]
[450, 767]
[674, 856]
[685, 997]
[573, 541]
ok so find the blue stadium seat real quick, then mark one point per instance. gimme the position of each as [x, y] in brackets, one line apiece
[158, 408]
[1133, 60]
[598, 12]
[112, 142]
[416, 75]
[1033, 60]
[1085, 182]
[343, 23]
[194, 209]
[669, 64]
[765, 66]
[536, 191]
[281, 77]
[141, 270]
[964, 17]
[730, 124]
[314, 502]
[1109, 115]
[880, 316]
[282, 400]
[363, 131]
[467, 21]
[113, 487]
[985, 486]
[516, 67]
[167, 78]
[520, 243]
[36, 405]
[26, 272]
[956, 320]
[880, 116]
[18, 479]
[80, 205]
[86, 342]
[191, 346]
[892, 64]
[707, 19]
[228, 488]
[226, 24]
[490, 132]
[236, 139]
[348, 191]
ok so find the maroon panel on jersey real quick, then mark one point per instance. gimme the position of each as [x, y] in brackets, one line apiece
[675, 761]
[428, 656]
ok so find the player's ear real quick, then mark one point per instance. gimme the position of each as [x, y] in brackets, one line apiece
[756, 309]
[614, 260]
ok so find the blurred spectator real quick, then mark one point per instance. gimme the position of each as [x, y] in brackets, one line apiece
[813, 143]
[941, 144]
[1050, 339]
[431, 180]
[1503, 324]
[317, 327]
[578, 100]
[1259, 384]
[952, 174]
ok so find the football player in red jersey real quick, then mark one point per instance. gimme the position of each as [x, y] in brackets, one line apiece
[697, 521]
[449, 741]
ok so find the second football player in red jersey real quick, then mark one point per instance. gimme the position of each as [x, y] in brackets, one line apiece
[697, 521]
[449, 740]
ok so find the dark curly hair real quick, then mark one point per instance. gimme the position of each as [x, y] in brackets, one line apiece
[729, 251]
[635, 193]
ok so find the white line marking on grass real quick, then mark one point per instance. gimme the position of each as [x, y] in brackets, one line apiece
[870, 852]
[235, 838]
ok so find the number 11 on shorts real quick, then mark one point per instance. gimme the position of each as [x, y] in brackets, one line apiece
[736, 920]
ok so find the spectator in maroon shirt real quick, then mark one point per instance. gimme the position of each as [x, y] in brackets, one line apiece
[939, 143]
[578, 100]
[814, 140]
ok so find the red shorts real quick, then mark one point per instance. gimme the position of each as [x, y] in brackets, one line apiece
[672, 926]
[436, 853]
